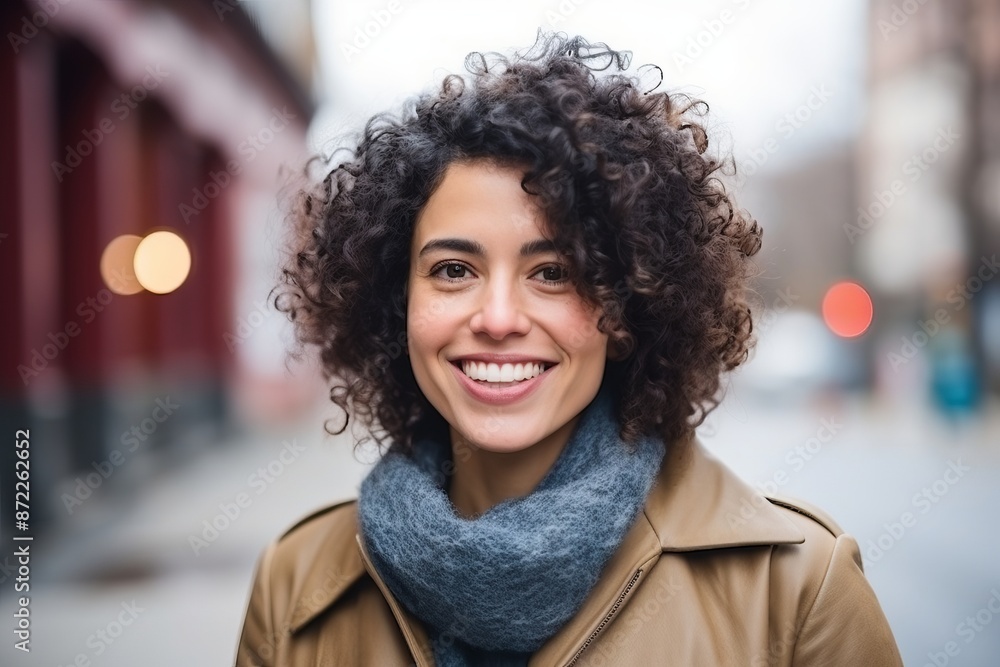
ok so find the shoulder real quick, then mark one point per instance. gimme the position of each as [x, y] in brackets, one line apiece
[325, 535]
[834, 614]
[305, 569]
[316, 542]
[817, 525]
[298, 575]
[826, 545]
[341, 513]
[824, 541]
[806, 515]
[821, 579]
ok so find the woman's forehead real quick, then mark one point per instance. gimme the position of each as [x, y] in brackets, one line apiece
[480, 200]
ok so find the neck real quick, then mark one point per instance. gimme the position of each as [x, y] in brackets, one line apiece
[483, 478]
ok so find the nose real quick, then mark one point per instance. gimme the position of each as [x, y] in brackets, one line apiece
[500, 311]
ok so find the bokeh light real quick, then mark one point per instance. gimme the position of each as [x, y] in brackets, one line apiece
[117, 266]
[162, 262]
[847, 309]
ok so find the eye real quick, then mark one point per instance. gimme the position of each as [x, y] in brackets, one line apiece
[450, 271]
[553, 274]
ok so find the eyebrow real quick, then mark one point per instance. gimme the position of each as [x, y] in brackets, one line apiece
[529, 249]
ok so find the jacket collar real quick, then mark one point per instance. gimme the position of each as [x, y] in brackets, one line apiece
[696, 503]
[699, 503]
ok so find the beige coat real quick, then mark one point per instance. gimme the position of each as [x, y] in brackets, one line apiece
[710, 574]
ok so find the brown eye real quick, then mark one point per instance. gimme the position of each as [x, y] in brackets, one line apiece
[552, 274]
[454, 271]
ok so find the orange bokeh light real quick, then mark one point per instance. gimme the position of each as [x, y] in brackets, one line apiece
[847, 309]
[116, 265]
[162, 262]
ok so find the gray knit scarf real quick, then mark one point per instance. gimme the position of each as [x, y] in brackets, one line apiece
[492, 590]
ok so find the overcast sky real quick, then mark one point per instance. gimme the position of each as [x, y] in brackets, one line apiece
[753, 61]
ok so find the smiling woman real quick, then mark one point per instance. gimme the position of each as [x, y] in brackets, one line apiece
[567, 275]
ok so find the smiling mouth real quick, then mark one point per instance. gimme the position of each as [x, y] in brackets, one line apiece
[501, 373]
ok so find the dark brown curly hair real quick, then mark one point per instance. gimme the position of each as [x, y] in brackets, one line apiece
[631, 197]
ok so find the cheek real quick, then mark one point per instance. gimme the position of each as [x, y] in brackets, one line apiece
[579, 334]
[428, 320]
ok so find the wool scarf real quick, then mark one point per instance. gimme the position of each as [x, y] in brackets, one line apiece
[491, 590]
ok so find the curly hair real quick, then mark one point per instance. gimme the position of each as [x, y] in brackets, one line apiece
[631, 198]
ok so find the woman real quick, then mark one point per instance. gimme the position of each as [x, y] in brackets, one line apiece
[528, 286]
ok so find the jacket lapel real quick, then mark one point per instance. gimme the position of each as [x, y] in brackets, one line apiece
[329, 571]
[699, 503]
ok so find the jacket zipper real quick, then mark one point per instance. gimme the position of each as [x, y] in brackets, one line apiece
[607, 617]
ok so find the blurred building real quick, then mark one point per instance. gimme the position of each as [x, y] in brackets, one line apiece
[911, 211]
[119, 119]
[927, 225]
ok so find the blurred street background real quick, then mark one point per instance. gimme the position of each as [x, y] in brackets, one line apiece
[146, 148]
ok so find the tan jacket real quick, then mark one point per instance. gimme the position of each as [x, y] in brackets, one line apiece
[710, 574]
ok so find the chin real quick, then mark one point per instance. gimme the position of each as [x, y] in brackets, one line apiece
[493, 435]
[505, 446]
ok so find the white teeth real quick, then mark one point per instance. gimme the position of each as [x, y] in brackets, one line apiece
[484, 372]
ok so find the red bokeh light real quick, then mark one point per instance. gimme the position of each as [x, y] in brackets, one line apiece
[847, 309]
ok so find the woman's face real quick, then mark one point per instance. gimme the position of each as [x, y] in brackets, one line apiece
[500, 342]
